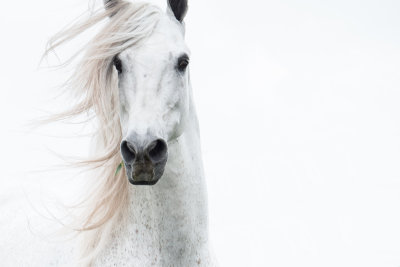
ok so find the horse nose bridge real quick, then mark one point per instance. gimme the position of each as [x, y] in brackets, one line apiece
[144, 120]
[146, 94]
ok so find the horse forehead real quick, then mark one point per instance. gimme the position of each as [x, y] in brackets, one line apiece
[169, 30]
[166, 41]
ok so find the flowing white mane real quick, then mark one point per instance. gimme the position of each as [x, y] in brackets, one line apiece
[94, 84]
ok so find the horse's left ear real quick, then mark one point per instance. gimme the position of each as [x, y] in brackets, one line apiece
[178, 8]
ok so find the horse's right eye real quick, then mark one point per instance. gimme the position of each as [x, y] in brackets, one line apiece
[118, 64]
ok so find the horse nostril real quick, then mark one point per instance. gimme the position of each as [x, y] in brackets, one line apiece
[128, 152]
[157, 150]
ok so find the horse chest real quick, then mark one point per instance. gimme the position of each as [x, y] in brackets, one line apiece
[151, 244]
[159, 230]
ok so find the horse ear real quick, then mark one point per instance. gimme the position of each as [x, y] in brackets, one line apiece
[178, 8]
[109, 4]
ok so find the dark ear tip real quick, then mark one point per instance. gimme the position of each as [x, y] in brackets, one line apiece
[179, 8]
[111, 4]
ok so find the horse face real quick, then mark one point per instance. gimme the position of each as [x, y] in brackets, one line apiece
[153, 81]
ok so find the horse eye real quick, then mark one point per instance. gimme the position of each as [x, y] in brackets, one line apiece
[183, 62]
[118, 65]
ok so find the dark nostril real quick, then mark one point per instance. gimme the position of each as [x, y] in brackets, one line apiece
[157, 150]
[128, 152]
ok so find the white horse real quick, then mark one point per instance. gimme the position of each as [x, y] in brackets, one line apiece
[134, 79]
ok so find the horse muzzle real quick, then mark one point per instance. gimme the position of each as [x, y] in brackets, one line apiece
[144, 159]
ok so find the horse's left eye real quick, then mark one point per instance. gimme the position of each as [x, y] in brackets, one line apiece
[183, 62]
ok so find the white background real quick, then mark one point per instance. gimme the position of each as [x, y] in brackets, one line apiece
[299, 111]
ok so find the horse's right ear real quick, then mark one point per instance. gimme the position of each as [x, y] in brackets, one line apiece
[110, 4]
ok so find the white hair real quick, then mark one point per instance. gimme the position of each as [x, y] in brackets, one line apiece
[94, 86]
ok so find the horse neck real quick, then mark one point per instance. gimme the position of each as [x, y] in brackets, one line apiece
[166, 224]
